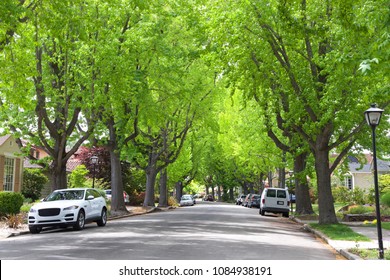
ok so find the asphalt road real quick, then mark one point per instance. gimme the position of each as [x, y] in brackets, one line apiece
[206, 231]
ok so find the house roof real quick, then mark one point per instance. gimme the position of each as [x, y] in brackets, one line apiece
[4, 138]
[367, 167]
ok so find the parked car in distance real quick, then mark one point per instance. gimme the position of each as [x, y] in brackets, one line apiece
[208, 197]
[68, 207]
[193, 199]
[126, 197]
[246, 200]
[186, 200]
[240, 199]
[275, 200]
[254, 201]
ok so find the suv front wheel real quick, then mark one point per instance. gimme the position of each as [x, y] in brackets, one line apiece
[80, 221]
[103, 218]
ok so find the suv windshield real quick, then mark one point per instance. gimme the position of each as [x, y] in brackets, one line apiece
[66, 195]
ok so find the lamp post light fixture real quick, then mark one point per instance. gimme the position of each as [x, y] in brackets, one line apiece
[373, 117]
[94, 161]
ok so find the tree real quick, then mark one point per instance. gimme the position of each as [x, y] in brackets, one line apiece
[305, 55]
[176, 92]
[45, 89]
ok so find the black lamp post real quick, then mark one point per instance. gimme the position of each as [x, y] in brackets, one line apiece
[373, 117]
[94, 161]
[290, 173]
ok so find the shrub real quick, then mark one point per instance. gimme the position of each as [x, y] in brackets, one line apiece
[360, 209]
[358, 196]
[341, 194]
[78, 177]
[15, 220]
[384, 183]
[346, 196]
[385, 199]
[137, 199]
[33, 183]
[172, 201]
[10, 203]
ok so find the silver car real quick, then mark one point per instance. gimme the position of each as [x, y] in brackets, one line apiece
[186, 200]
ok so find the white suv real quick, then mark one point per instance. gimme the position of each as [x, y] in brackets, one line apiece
[68, 207]
[275, 200]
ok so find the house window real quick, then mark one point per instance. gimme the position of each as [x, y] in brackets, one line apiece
[9, 167]
[348, 182]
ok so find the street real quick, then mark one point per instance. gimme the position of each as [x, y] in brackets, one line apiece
[206, 231]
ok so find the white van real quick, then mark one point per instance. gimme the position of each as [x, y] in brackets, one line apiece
[275, 200]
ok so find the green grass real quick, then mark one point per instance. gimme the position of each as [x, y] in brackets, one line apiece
[369, 254]
[339, 232]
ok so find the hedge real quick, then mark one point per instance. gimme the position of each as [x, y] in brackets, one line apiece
[10, 203]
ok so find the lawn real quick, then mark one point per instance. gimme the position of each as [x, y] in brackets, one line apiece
[369, 254]
[339, 232]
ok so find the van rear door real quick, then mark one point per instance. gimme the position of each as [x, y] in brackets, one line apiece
[277, 198]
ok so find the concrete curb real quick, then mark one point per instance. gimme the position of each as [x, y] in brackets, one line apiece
[342, 251]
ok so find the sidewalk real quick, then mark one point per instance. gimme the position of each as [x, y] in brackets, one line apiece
[343, 246]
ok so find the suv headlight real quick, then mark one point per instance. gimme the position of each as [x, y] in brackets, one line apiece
[32, 210]
[73, 207]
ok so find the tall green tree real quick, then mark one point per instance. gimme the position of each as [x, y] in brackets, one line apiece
[44, 87]
[305, 55]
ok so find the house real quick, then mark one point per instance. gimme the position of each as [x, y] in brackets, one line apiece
[38, 153]
[360, 172]
[11, 165]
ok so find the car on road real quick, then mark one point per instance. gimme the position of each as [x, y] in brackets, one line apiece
[275, 200]
[208, 197]
[126, 197]
[68, 207]
[240, 199]
[254, 201]
[186, 200]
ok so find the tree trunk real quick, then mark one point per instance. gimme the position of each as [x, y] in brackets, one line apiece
[231, 193]
[179, 190]
[251, 190]
[219, 193]
[282, 178]
[270, 175]
[163, 200]
[117, 199]
[245, 187]
[151, 175]
[59, 178]
[327, 213]
[303, 202]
